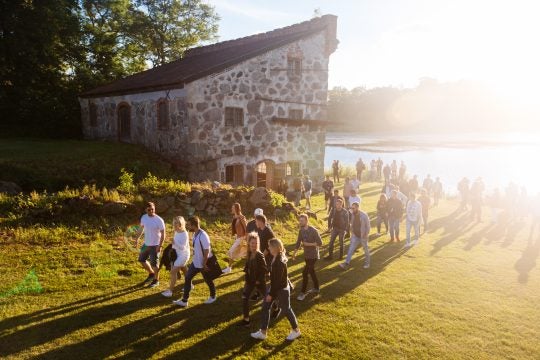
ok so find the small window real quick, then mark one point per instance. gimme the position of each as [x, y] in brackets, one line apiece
[163, 115]
[93, 114]
[293, 168]
[294, 67]
[234, 116]
[296, 114]
[234, 174]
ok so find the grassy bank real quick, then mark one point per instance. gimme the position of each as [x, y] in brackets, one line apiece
[54, 164]
[468, 290]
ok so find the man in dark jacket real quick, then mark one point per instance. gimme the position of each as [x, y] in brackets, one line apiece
[395, 213]
[328, 187]
[338, 224]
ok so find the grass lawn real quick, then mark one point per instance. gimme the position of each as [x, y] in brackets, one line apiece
[40, 164]
[468, 290]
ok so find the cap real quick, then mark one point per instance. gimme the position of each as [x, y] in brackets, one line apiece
[258, 211]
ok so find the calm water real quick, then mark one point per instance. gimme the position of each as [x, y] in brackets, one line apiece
[498, 159]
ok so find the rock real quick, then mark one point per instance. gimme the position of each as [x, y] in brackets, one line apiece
[201, 205]
[260, 197]
[114, 208]
[212, 210]
[10, 188]
[162, 205]
[195, 197]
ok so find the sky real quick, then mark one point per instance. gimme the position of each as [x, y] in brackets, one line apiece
[392, 42]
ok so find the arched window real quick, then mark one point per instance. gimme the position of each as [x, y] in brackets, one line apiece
[93, 114]
[163, 114]
[124, 122]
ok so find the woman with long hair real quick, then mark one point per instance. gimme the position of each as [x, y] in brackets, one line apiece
[255, 274]
[180, 246]
[238, 249]
[280, 290]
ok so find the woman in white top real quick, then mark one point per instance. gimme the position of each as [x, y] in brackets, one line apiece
[180, 245]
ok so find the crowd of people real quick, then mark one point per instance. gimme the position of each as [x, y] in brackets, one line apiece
[266, 274]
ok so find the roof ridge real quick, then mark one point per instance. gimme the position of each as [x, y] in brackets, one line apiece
[312, 24]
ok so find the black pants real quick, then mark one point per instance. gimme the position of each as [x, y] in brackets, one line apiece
[246, 293]
[309, 269]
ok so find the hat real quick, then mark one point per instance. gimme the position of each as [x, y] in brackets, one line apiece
[258, 211]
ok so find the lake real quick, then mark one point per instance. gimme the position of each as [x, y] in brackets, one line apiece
[498, 158]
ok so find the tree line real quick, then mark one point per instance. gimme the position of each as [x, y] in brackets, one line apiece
[460, 106]
[52, 50]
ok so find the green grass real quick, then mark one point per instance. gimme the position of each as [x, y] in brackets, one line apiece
[468, 290]
[53, 164]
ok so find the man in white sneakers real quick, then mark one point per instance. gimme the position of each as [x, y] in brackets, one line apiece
[201, 253]
[414, 219]
[359, 228]
[153, 227]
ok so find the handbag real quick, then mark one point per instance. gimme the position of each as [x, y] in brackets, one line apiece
[214, 270]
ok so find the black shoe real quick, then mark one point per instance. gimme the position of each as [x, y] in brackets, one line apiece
[243, 323]
[328, 258]
[154, 283]
[149, 278]
[255, 297]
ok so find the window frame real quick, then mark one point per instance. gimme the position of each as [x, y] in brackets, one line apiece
[236, 119]
[237, 174]
[162, 124]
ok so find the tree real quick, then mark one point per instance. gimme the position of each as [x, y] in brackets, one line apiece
[167, 28]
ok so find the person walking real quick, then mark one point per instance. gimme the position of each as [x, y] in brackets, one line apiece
[308, 184]
[360, 227]
[201, 253]
[328, 188]
[347, 187]
[333, 200]
[386, 173]
[298, 188]
[437, 191]
[255, 271]
[414, 219]
[395, 213]
[238, 249]
[338, 224]
[354, 198]
[425, 200]
[463, 188]
[335, 171]
[310, 239]
[153, 227]
[476, 198]
[252, 224]
[382, 213]
[360, 167]
[379, 168]
[180, 246]
[280, 290]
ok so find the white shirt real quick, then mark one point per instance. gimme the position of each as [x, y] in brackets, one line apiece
[414, 211]
[181, 243]
[355, 183]
[353, 199]
[200, 238]
[152, 227]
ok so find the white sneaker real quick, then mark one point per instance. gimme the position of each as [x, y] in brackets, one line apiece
[210, 300]
[167, 293]
[407, 246]
[301, 297]
[227, 270]
[258, 335]
[366, 266]
[344, 266]
[180, 303]
[378, 234]
[295, 334]
[415, 242]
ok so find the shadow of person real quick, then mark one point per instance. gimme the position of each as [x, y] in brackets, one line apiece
[527, 261]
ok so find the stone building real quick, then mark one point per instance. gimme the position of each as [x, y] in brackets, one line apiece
[246, 111]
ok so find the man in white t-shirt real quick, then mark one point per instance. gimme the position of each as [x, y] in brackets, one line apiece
[354, 198]
[201, 253]
[153, 228]
[355, 183]
[414, 219]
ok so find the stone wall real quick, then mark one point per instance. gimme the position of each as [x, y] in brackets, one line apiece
[262, 87]
[170, 142]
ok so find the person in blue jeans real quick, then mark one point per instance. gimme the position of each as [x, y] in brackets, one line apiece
[360, 228]
[338, 224]
[280, 289]
[394, 208]
[201, 253]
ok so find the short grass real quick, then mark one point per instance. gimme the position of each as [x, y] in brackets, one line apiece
[468, 290]
[42, 164]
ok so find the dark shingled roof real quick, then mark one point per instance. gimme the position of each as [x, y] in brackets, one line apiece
[202, 61]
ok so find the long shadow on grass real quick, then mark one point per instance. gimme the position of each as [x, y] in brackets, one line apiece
[346, 281]
[37, 316]
[527, 261]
